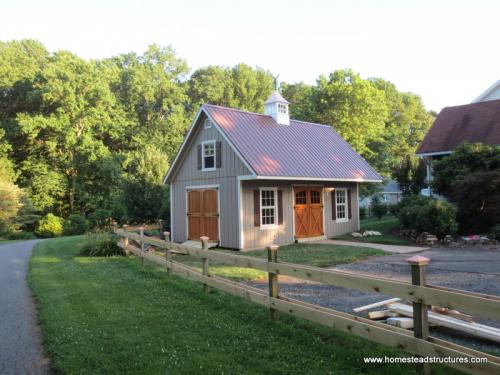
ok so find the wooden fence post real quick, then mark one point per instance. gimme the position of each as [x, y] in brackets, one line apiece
[141, 233]
[160, 225]
[204, 247]
[420, 315]
[115, 226]
[125, 240]
[272, 256]
[168, 254]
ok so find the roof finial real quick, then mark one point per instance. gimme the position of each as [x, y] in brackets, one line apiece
[275, 79]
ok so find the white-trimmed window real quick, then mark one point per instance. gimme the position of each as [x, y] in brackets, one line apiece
[341, 205]
[208, 156]
[282, 108]
[207, 124]
[268, 208]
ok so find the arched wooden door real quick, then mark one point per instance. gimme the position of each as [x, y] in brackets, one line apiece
[203, 214]
[308, 207]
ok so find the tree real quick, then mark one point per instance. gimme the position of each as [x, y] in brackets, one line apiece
[463, 161]
[410, 175]
[143, 189]
[478, 200]
[300, 97]
[353, 106]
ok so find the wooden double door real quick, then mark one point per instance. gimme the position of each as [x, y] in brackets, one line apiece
[203, 214]
[308, 207]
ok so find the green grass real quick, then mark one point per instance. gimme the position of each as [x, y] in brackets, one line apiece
[4, 242]
[386, 225]
[318, 255]
[109, 316]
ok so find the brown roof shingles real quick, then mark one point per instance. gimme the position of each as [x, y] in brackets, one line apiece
[300, 149]
[474, 123]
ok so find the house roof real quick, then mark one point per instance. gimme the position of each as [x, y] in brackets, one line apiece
[476, 122]
[487, 95]
[298, 150]
[391, 187]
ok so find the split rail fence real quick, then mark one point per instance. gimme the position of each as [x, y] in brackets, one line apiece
[422, 295]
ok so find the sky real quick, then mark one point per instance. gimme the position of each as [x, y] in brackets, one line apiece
[448, 52]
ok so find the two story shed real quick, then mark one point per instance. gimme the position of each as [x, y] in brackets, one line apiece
[247, 179]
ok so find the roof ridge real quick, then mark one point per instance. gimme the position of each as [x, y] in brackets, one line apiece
[261, 114]
[472, 104]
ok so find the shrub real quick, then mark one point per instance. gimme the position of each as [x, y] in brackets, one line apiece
[394, 209]
[477, 197]
[75, 224]
[21, 236]
[50, 226]
[363, 213]
[495, 232]
[100, 219]
[426, 214]
[379, 210]
[99, 244]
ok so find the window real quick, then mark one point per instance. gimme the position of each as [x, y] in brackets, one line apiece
[300, 197]
[268, 209]
[282, 108]
[208, 159]
[315, 197]
[207, 124]
[341, 204]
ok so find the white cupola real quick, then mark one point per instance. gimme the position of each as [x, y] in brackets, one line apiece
[277, 107]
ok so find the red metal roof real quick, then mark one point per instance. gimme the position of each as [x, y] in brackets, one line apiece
[301, 149]
[476, 122]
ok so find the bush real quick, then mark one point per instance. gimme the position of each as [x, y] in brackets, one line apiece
[363, 213]
[21, 236]
[394, 209]
[477, 197]
[379, 210]
[99, 244]
[495, 232]
[100, 219]
[75, 224]
[50, 226]
[426, 214]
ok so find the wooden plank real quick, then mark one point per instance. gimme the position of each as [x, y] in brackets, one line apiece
[475, 329]
[453, 313]
[382, 314]
[376, 304]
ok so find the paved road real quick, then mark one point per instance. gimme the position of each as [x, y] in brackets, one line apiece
[20, 342]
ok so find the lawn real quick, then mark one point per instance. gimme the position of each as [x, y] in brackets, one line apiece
[318, 255]
[4, 242]
[386, 225]
[109, 316]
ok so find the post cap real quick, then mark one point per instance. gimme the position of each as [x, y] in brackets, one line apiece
[166, 234]
[204, 238]
[124, 225]
[418, 260]
[272, 247]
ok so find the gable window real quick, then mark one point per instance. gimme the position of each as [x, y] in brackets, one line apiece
[341, 205]
[208, 150]
[282, 108]
[268, 209]
[207, 124]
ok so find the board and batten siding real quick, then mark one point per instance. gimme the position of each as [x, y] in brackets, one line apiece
[255, 237]
[188, 175]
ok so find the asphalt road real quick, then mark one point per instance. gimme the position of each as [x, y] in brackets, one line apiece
[20, 341]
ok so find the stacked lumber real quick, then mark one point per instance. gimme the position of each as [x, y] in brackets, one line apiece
[399, 314]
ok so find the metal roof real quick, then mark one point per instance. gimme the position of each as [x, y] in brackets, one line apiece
[476, 122]
[300, 150]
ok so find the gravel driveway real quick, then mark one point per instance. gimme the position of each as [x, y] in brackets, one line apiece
[20, 343]
[474, 269]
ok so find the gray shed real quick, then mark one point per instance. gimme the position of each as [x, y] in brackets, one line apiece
[246, 179]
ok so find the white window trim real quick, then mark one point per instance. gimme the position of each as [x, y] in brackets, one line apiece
[346, 204]
[269, 226]
[207, 124]
[203, 156]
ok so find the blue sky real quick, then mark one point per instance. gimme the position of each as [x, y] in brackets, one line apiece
[445, 51]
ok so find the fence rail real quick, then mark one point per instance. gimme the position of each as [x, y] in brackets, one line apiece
[420, 295]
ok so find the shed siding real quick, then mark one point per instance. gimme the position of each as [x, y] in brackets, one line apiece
[232, 165]
[254, 237]
[188, 175]
[228, 214]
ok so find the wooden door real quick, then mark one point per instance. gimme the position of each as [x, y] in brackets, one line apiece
[203, 214]
[308, 207]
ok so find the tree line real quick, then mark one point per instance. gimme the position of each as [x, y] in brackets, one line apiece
[95, 137]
